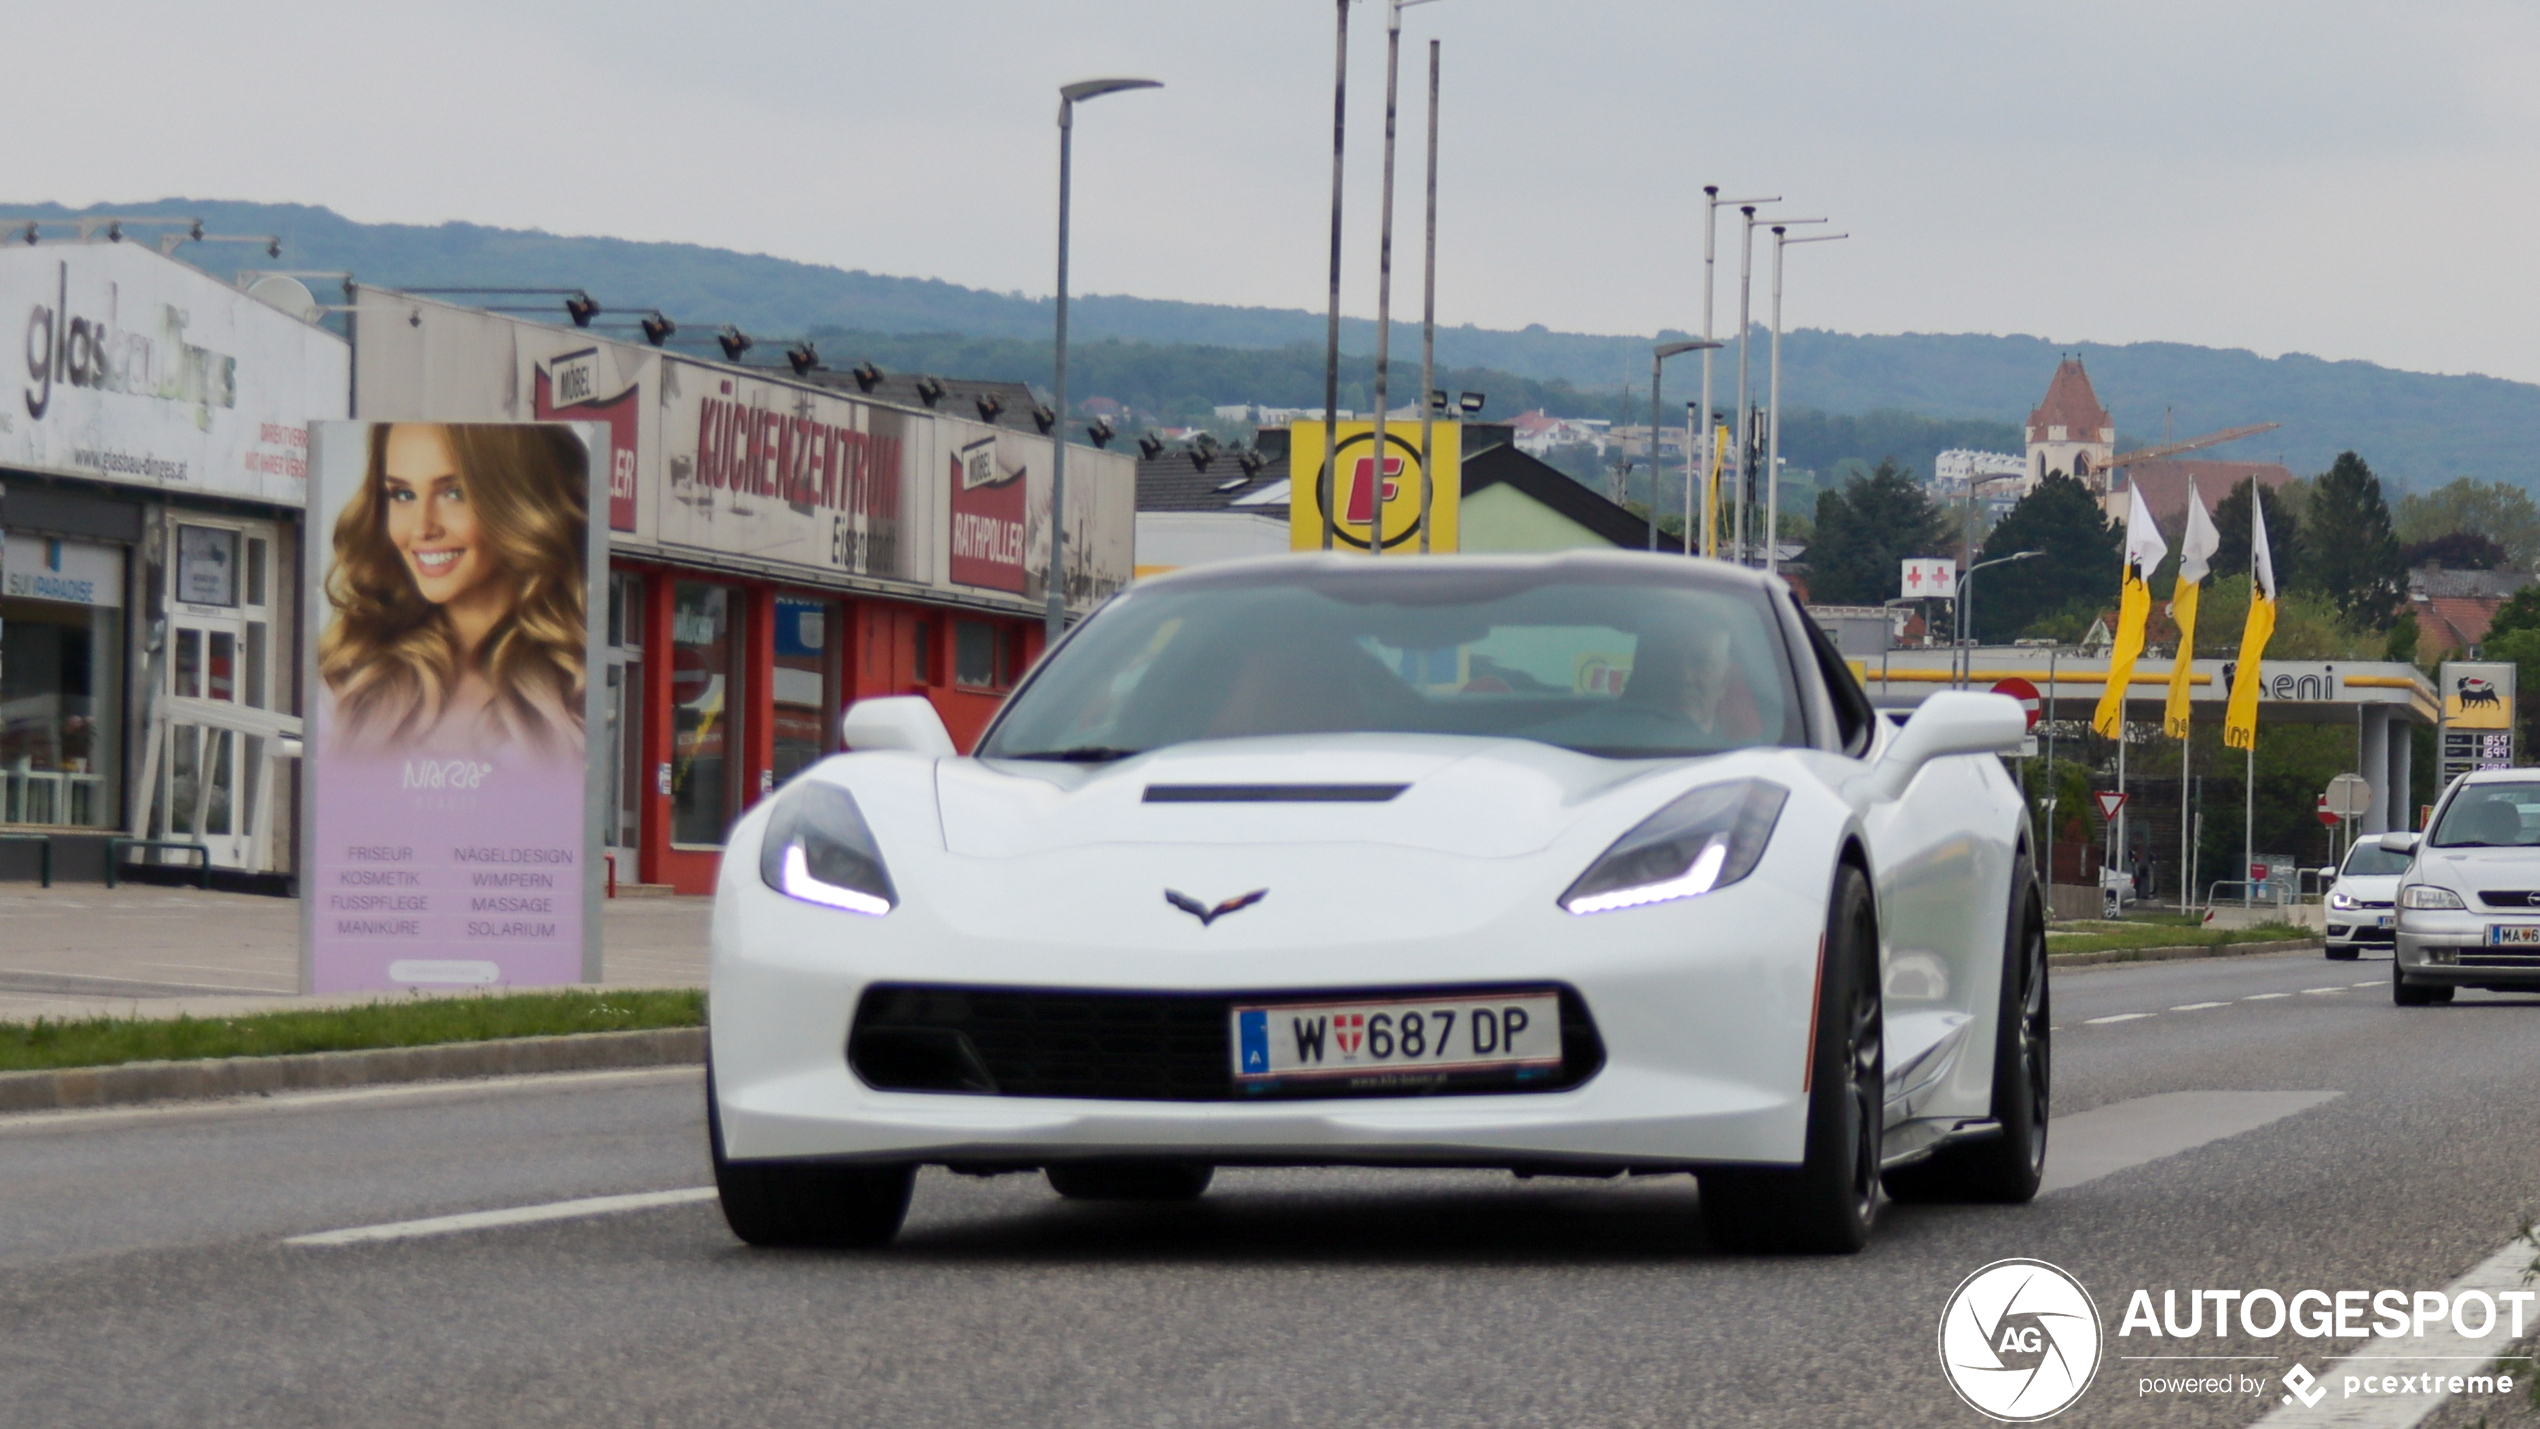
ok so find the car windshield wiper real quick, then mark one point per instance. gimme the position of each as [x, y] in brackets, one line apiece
[1079, 754]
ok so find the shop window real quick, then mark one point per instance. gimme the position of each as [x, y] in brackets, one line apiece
[705, 712]
[255, 570]
[806, 695]
[975, 655]
[207, 565]
[1009, 656]
[922, 663]
[60, 696]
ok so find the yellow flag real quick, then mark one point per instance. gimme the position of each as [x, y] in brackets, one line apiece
[2195, 557]
[2144, 550]
[2240, 718]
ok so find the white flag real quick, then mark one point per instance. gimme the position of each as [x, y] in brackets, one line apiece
[2261, 560]
[2196, 549]
[2144, 548]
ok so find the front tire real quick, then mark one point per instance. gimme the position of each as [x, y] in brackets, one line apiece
[1131, 1179]
[2004, 1169]
[821, 1205]
[2345, 954]
[1827, 1205]
[2406, 991]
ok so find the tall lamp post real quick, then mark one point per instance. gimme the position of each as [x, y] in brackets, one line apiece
[1384, 284]
[1967, 604]
[1710, 543]
[1332, 325]
[1054, 624]
[1773, 452]
[1657, 357]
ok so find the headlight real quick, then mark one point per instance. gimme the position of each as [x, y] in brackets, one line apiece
[2426, 895]
[2340, 900]
[819, 850]
[1709, 838]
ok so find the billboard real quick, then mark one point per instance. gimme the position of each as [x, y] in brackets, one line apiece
[1357, 484]
[997, 520]
[778, 472]
[451, 813]
[588, 385]
[137, 369]
[2478, 717]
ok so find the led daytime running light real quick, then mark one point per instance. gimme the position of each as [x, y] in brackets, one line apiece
[1697, 879]
[800, 884]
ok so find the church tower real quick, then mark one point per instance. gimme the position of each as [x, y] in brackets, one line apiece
[2070, 432]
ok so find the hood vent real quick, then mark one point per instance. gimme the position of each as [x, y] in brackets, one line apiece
[1272, 793]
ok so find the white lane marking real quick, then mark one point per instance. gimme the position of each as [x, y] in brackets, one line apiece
[2104, 1140]
[2316, 990]
[2117, 1017]
[40, 1121]
[2438, 1350]
[508, 1216]
[2376, 982]
[2198, 1006]
[2263, 996]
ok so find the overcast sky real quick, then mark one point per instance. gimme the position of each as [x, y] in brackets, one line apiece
[2343, 179]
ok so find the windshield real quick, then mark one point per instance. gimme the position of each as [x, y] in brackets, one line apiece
[1622, 663]
[2371, 860]
[2491, 816]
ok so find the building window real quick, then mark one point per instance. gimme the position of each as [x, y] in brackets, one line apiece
[975, 652]
[705, 713]
[207, 565]
[61, 651]
[806, 694]
[922, 662]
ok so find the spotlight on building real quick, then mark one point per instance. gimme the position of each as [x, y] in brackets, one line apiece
[1471, 402]
[1150, 446]
[866, 375]
[273, 248]
[114, 232]
[658, 329]
[734, 342]
[1439, 402]
[29, 235]
[989, 404]
[1101, 432]
[803, 357]
[1043, 417]
[579, 307]
[930, 391]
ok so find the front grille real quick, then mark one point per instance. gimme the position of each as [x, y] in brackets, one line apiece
[2510, 898]
[1126, 1046]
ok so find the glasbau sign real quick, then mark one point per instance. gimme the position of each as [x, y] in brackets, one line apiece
[134, 368]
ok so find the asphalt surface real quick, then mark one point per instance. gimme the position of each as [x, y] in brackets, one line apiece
[143, 1278]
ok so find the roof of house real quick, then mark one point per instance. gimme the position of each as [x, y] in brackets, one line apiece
[2437, 582]
[2164, 484]
[2452, 622]
[2070, 403]
[1502, 463]
[1180, 479]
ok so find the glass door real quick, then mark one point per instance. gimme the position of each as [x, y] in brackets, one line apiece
[215, 780]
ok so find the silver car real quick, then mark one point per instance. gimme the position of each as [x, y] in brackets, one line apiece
[2469, 903]
[2363, 895]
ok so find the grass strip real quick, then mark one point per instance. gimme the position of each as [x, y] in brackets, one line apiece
[47, 1044]
[2104, 937]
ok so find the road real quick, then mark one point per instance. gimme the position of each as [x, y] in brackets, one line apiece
[144, 1277]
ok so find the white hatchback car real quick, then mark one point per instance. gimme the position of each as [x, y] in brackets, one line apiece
[2363, 895]
[2469, 904]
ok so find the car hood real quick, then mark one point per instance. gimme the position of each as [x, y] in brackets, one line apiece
[2378, 887]
[2473, 869]
[1481, 798]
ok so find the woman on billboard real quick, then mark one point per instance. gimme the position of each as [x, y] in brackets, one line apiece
[457, 590]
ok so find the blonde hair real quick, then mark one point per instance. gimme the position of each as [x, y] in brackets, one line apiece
[392, 658]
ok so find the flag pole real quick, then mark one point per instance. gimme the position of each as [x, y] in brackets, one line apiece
[2249, 829]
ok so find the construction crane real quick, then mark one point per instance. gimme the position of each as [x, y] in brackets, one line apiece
[2171, 449]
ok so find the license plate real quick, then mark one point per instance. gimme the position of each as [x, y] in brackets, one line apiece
[1412, 1038]
[2503, 933]
[2383, 921]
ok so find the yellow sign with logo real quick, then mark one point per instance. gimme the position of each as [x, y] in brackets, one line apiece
[1361, 485]
[2478, 696]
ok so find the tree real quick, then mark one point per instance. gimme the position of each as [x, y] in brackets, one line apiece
[2284, 535]
[2360, 569]
[2457, 551]
[2503, 514]
[2080, 549]
[1865, 529]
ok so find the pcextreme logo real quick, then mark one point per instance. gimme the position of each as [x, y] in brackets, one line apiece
[2019, 1341]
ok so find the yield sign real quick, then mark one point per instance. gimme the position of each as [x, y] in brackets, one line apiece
[2109, 804]
[2025, 693]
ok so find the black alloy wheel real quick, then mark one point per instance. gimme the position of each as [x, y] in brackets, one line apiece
[823, 1205]
[1828, 1204]
[2004, 1168]
[1131, 1179]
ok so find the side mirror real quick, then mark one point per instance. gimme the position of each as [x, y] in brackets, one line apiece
[2399, 843]
[2329, 873]
[1951, 722]
[897, 722]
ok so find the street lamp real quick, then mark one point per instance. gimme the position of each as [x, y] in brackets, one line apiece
[1773, 453]
[1745, 323]
[1966, 601]
[1069, 95]
[1657, 358]
[1384, 285]
[1710, 544]
[1332, 322]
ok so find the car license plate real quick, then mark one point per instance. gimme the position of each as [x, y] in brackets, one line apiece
[2382, 922]
[2513, 933]
[1414, 1037]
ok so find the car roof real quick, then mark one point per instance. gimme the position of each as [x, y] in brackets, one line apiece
[1657, 564]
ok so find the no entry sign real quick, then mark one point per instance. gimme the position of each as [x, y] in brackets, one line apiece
[2025, 693]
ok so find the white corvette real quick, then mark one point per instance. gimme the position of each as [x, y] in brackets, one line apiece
[1582, 864]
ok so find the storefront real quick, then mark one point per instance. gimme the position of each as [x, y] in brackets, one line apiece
[779, 550]
[151, 480]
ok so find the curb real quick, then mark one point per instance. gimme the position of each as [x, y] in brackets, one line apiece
[137, 1082]
[2174, 954]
